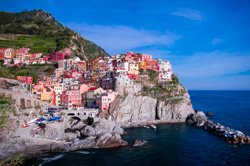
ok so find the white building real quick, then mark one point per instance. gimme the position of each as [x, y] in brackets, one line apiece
[165, 71]
[125, 85]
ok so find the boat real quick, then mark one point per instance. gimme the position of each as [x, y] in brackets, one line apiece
[153, 126]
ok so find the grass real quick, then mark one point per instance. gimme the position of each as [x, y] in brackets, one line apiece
[34, 71]
[35, 42]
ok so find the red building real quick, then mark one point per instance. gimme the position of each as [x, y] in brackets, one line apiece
[59, 55]
[24, 79]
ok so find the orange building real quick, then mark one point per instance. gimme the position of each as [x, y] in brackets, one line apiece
[152, 65]
[7, 53]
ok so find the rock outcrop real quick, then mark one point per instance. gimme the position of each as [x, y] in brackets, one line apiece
[198, 119]
[137, 110]
[139, 143]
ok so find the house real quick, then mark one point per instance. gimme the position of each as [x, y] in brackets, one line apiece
[99, 91]
[38, 88]
[108, 81]
[59, 55]
[7, 53]
[151, 65]
[164, 76]
[103, 100]
[145, 57]
[58, 88]
[82, 66]
[72, 97]
[164, 65]
[130, 56]
[46, 94]
[25, 80]
[91, 97]
[133, 68]
[123, 66]
[58, 72]
[125, 85]
[165, 71]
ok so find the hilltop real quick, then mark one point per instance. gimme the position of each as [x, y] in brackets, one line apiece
[41, 32]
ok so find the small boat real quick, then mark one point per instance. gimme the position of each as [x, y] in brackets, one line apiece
[147, 127]
[153, 126]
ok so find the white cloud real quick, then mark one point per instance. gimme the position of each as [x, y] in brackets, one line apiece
[189, 14]
[213, 70]
[216, 41]
[118, 38]
[209, 64]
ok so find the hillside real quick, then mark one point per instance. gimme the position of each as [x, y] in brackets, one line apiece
[41, 32]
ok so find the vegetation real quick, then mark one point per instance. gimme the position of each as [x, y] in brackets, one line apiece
[175, 80]
[16, 160]
[41, 32]
[152, 75]
[171, 92]
[36, 43]
[34, 71]
[5, 107]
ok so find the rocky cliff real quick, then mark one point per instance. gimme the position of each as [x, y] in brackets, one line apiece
[136, 110]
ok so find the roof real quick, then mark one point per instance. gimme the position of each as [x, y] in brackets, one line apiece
[67, 76]
[92, 88]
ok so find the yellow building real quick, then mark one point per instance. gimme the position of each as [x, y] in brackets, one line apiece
[46, 94]
[133, 68]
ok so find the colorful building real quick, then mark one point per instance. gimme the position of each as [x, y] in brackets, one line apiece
[145, 57]
[133, 68]
[151, 65]
[7, 53]
[72, 97]
[103, 100]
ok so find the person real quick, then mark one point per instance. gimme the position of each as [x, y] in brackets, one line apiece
[25, 124]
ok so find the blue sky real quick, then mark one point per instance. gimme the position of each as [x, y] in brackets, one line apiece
[206, 41]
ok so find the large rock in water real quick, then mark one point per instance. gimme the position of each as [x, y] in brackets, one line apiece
[136, 110]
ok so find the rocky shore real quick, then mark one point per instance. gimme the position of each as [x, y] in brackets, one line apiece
[78, 135]
[229, 135]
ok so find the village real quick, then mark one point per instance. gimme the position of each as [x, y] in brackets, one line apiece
[86, 88]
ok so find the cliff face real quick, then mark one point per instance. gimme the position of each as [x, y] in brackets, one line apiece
[137, 110]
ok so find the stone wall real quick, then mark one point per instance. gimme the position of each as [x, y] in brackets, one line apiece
[23, 99]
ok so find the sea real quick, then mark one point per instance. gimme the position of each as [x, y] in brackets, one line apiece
[174, 144]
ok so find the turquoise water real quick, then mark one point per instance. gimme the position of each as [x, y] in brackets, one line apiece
[176, 144]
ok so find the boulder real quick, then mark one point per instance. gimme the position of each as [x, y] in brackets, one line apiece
[70, 136]
[78, 125]
[88, 131]
[137, 143]
[110, 141]
[106, 126]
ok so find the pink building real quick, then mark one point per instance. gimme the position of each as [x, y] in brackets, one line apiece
[145, 57]
[103, 101]
[72, 97]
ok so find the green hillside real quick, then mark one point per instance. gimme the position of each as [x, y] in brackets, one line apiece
[41, 32]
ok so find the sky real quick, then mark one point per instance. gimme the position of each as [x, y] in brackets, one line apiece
[207, 41]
